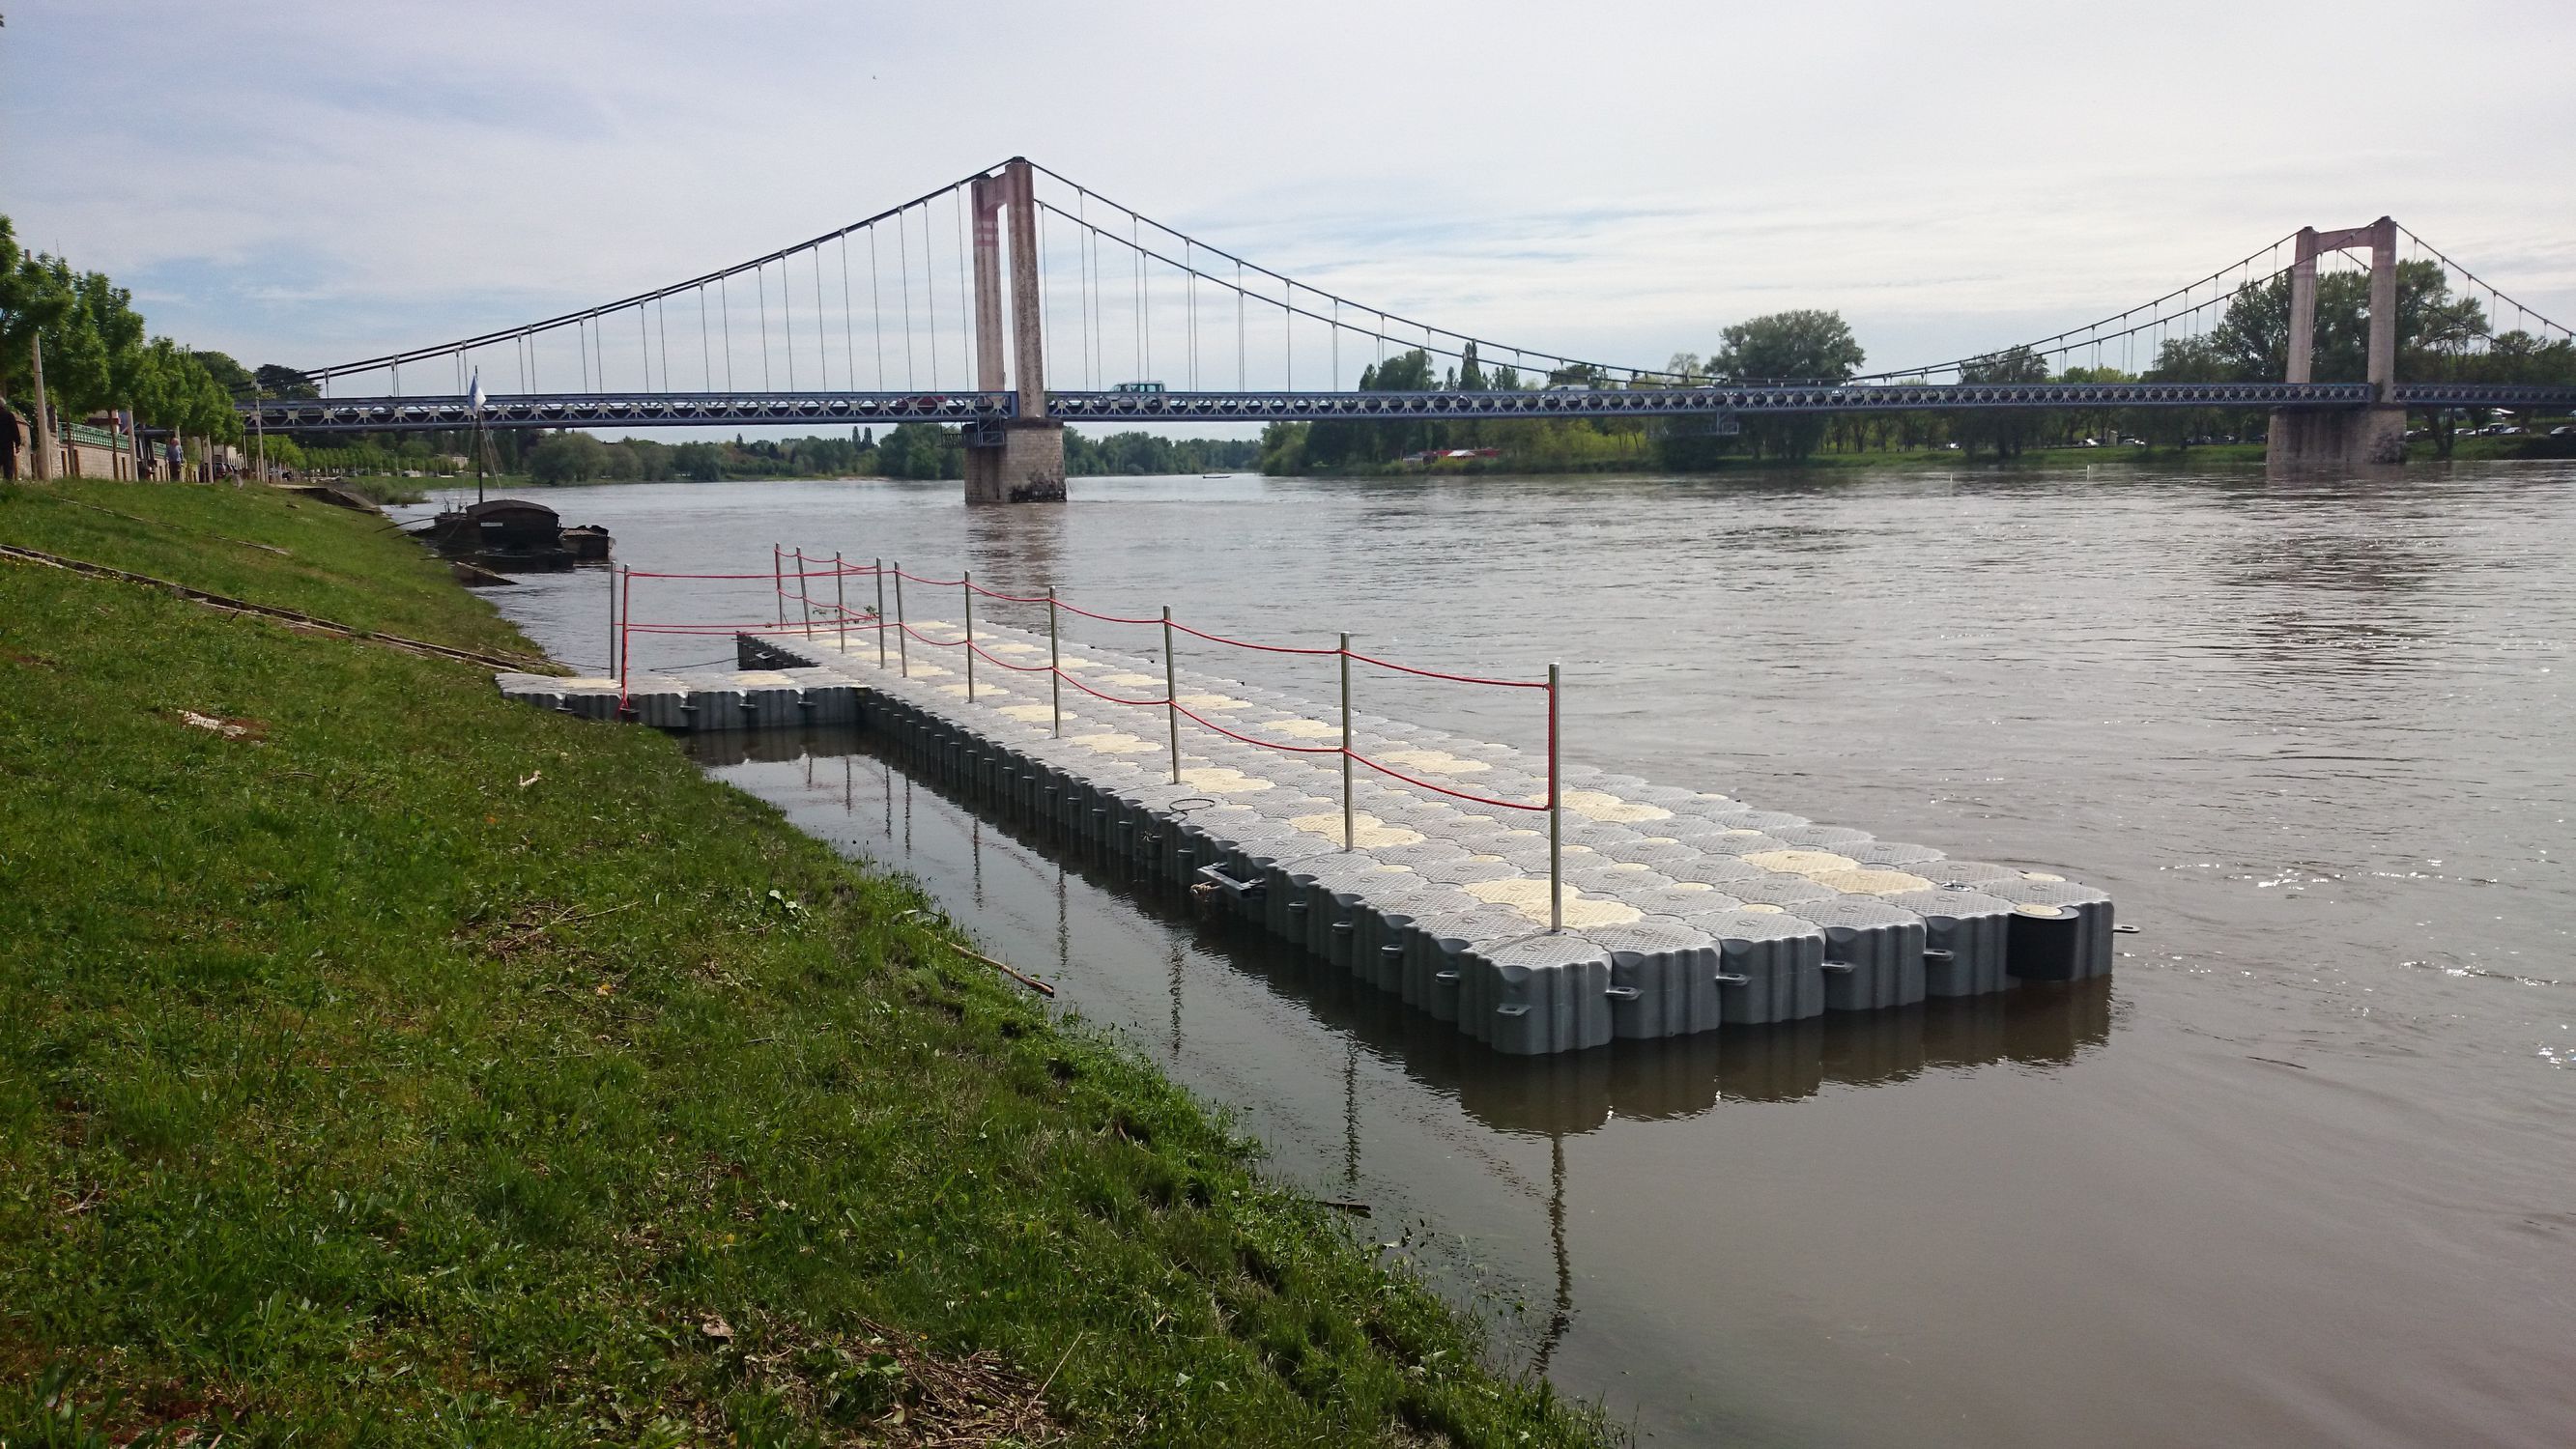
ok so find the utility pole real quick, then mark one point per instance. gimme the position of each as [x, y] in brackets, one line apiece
[44, 430]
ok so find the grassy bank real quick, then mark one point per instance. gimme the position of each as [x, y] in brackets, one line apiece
[388, 1064]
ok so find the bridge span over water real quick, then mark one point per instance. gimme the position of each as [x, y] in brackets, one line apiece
[1045, 304]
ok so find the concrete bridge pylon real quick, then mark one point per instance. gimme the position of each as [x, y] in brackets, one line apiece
[1019, 459]
[2376, 433]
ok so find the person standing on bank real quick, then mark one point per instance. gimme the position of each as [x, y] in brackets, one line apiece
[10, 433]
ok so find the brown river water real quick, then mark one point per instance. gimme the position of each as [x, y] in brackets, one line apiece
[2301, 1172]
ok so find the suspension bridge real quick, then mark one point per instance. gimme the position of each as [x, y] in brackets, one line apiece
[916, 314]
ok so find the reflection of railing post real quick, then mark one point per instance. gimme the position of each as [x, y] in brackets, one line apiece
[881, 625]
[1347, 833]
[1055, 667]
[902, 651]
[841, 599]
[804, 594]
[1555, 819]
[966, 588]
[778, 581]
[1171, 694]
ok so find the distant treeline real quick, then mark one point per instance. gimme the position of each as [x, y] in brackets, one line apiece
[908, 450]
[2441, 337]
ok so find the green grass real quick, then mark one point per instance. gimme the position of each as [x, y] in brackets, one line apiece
[415, 1068]
[351, 568]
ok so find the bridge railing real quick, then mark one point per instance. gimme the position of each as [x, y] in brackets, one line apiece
[793, 580]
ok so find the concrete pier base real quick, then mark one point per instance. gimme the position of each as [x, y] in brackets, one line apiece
[2308, 442]
[1027, 466]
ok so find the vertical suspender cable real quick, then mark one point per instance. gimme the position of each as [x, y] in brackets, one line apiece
[1144, 300]
[849, 333]
[581, 339]
[822, 354]
[1136, 273]
[724, 299]
[760, 279]
[644, 346]
[876, 312]
[1242, 379]
[787, 319]
[903, 259]
[930, 293]
[662, 336]
[965, 298]
[1082, 290]
[1046, 299]
[706, 348]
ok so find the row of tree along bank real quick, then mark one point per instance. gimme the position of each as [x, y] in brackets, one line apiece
[2440, 337]
[908, 450]
[77, 361]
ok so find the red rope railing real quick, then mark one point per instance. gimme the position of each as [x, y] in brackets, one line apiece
[839, 618]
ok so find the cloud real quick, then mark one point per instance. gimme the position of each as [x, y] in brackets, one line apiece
[310, 181]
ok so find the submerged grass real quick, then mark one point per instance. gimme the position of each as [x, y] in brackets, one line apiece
[388, 1064]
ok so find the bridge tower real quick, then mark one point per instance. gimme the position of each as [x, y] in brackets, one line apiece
[2377, 433]
[1022, 462]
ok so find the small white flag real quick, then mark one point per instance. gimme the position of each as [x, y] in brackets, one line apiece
[474, 393]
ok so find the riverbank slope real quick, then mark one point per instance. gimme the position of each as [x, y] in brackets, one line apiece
[399, 1065]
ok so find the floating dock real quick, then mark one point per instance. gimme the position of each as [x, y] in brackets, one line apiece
[1678, 911]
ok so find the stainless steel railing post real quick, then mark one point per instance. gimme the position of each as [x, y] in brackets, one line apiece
[841, 599]
[966, 587]
[1171, 694]
[902, 651]
[1348, 835]
[1555, 818]
[1055, 667]
[881, 614]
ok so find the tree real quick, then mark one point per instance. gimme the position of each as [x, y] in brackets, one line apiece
[275, 380]
[2006, 430]
[1803, 345]
[568, 458]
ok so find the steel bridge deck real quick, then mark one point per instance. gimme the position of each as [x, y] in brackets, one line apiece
[769, 408]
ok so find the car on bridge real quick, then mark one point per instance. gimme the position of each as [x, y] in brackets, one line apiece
[1138, 387]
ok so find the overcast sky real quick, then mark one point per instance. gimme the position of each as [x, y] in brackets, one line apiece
[310, 182]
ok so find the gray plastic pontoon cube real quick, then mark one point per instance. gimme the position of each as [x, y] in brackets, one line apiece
[1442, 948]
[1965, 936]
[1663, 977]
[1543, 993]
[2049, 947]
[1772, 964]
[1822, 837]
[1973, 873]
[1891, 852]
[1873, 952]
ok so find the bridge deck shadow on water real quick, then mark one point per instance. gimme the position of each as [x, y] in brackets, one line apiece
[2041, 1025]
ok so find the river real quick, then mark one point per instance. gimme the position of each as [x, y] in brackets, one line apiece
[2299, 1173]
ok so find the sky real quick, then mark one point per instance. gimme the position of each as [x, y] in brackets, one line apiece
[311, 182]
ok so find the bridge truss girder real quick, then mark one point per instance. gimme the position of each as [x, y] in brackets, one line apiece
[984, 411]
